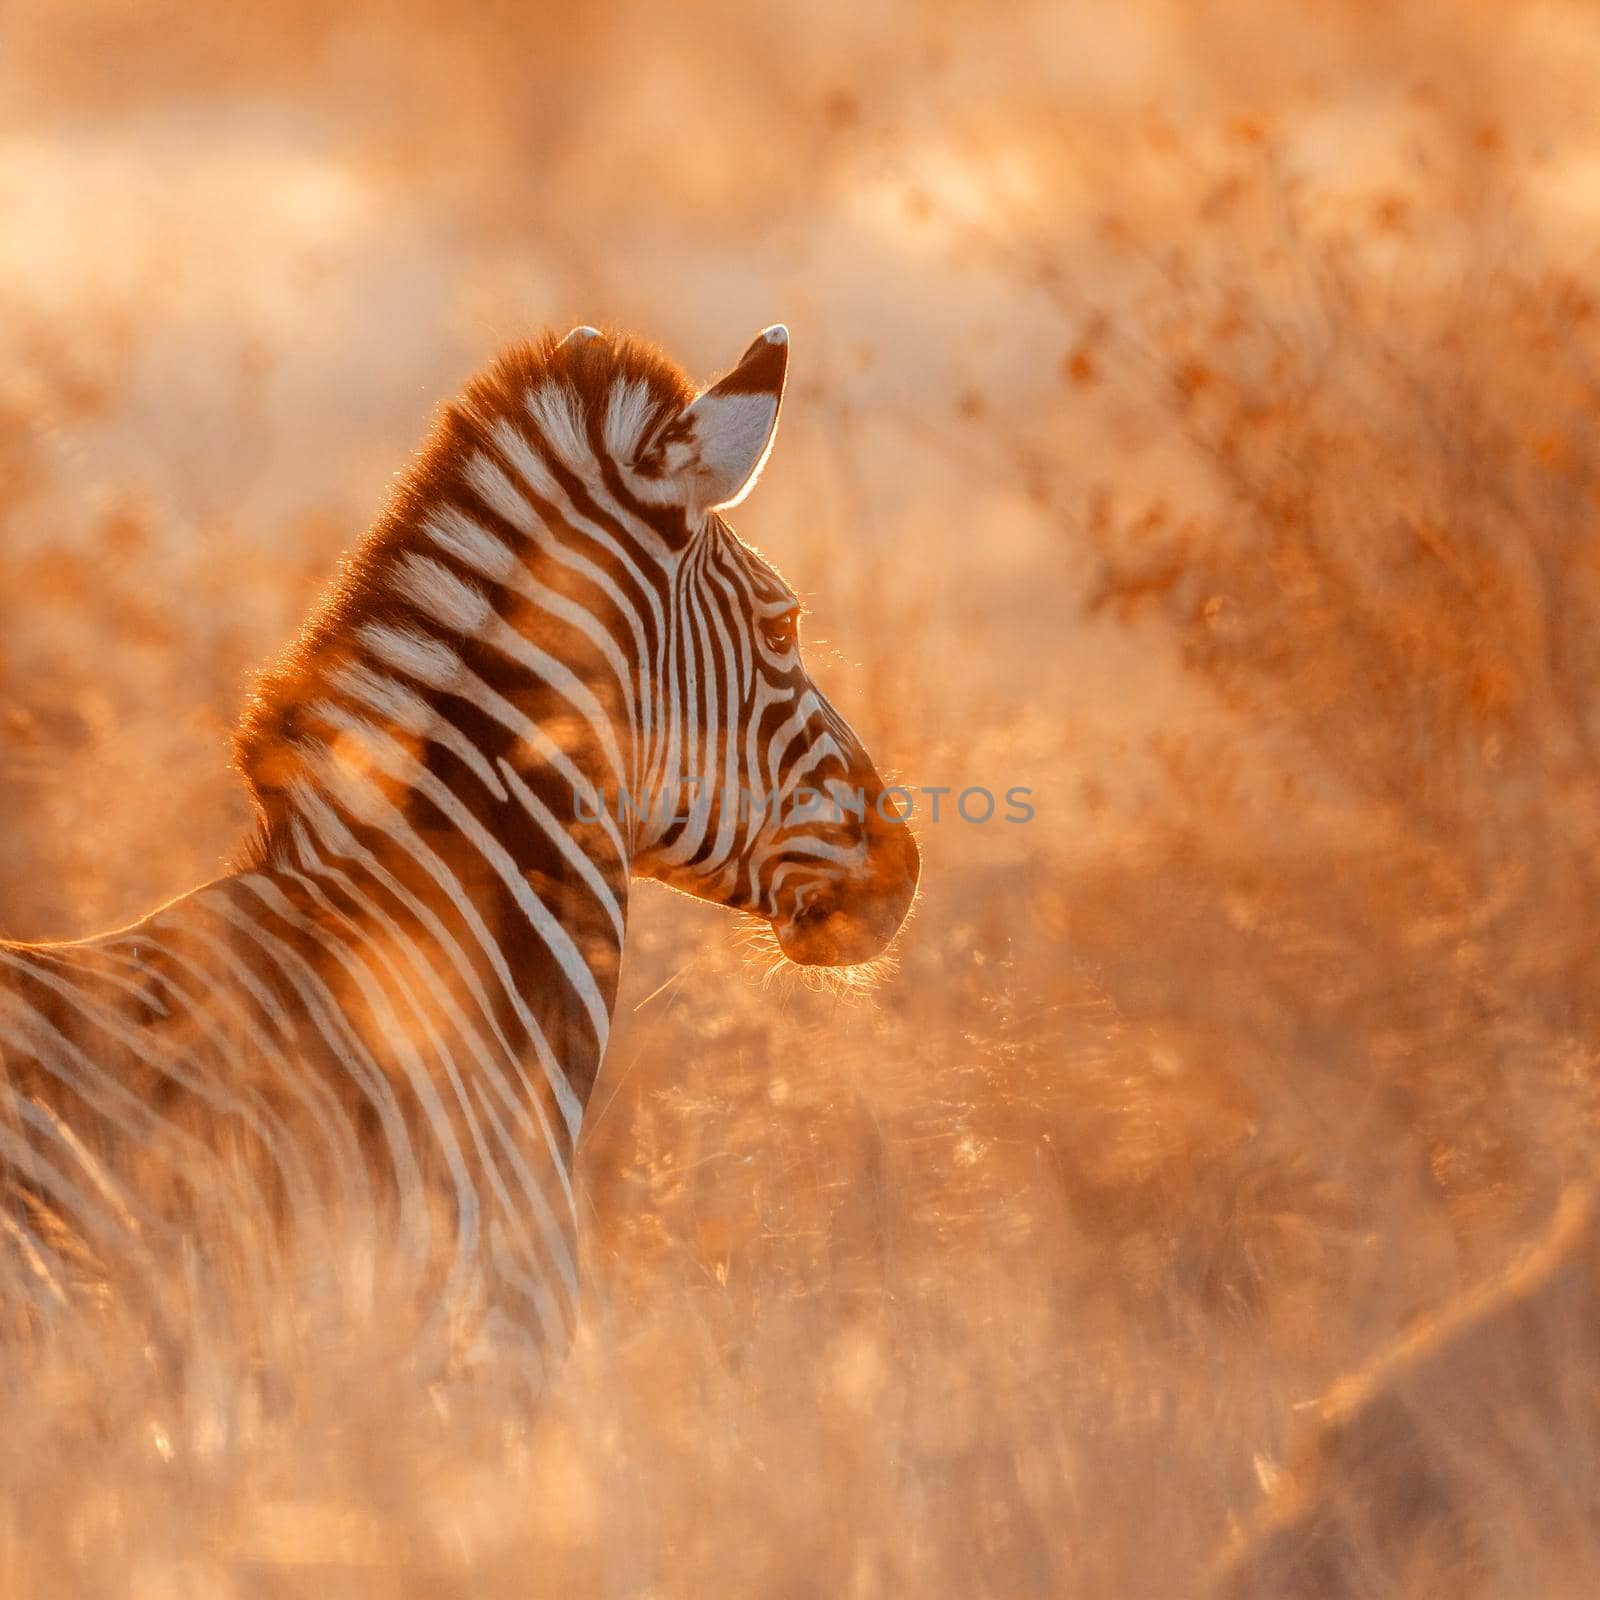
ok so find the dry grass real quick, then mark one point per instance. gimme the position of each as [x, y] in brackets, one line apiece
[1192, 423]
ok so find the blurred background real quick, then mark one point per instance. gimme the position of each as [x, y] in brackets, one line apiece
[1191, 420]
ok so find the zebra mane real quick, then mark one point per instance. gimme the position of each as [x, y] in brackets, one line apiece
[622, 383]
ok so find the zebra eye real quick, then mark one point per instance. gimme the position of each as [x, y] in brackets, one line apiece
[779, 632]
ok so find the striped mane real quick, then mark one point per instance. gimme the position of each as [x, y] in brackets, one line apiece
[618, 387]
[371, 1043]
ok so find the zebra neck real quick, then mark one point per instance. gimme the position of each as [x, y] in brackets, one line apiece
[479, 911]
[453, 790]
[441, 753]
[353, 1020]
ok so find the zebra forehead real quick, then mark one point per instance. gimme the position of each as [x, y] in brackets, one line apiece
[766, 582]
[558, 413]
[621, 382]
[630, 413]
[608, 389]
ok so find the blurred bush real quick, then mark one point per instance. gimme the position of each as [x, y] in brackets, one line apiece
[1190, 423]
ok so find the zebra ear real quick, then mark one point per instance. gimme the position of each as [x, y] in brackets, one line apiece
[724, 438]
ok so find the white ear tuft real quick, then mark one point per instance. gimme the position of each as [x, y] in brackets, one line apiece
[727, 433]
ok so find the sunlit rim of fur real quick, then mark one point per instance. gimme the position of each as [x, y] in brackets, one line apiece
[757, 941]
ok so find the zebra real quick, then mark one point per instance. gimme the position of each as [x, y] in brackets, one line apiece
[550, 667]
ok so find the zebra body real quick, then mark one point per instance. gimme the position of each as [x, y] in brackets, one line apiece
[381, 1030]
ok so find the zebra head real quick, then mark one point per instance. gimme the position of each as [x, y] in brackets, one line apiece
[774, 806]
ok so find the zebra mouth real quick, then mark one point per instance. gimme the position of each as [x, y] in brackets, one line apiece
[824, 937]
[848, 920]
[826, 933]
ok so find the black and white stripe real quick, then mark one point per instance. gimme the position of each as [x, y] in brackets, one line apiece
[380, 1032]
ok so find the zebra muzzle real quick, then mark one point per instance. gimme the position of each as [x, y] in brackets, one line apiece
[854, 919]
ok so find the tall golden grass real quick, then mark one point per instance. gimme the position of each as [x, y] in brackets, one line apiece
[1193, 423]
